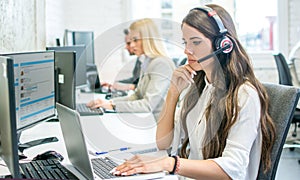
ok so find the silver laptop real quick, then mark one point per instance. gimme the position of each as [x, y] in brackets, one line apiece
[78, 153]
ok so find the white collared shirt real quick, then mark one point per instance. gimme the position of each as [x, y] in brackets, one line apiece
[241, 156]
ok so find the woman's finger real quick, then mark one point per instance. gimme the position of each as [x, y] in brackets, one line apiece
[190, 69]
[184, 74]
[139, 169]
[127, 167]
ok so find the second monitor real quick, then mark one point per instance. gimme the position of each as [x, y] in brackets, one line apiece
[65, 87]
[81, 80]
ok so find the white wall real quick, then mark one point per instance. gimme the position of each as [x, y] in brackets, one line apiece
[22, 25]
[294, 23]
[105, 18]
[55, 21]
[32, 24]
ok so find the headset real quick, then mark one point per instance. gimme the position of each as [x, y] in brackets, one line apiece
[222, 42]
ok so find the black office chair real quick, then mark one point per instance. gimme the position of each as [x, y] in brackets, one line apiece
[283, 101]
[285, 78]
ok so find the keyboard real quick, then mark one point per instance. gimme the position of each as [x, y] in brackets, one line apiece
[103, 166]
[86, 111]
[46, 169]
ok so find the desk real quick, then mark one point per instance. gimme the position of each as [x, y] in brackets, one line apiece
[110, 131]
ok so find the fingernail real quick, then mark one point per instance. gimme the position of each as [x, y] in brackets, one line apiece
[124, 174]
[194, 72]
[192, 76]
[116, 173]
[112, 171]
[192, 81]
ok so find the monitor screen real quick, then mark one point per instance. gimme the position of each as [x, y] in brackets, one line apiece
[81, 80]
[86, 38]
[65, 64]
[68, 38]
[8, 131]
[34, 87]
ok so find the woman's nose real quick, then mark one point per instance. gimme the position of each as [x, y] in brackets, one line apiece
[132, 44]
[187, 51]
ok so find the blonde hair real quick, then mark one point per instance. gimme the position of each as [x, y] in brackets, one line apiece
[152, 41]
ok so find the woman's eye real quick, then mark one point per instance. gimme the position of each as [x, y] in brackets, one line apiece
[196, 42]
[184, 42]
[135, 39]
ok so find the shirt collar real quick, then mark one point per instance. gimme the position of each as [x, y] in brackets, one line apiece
[209, 86]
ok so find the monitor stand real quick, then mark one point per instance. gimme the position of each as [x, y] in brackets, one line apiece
[33, 143]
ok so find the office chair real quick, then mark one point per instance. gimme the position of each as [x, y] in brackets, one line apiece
[283, 101]
[285, 78]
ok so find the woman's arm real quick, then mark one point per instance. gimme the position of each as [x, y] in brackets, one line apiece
[151, 89]
[197, 169]
[165, 125]
[181, 78]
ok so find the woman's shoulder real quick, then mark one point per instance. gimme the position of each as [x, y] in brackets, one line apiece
[247, 87]
[247, 91]
[160, 60]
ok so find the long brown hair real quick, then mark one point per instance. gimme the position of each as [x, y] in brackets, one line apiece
[236, 69]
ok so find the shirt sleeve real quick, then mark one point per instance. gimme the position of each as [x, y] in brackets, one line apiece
[235, 157]
[148, 99]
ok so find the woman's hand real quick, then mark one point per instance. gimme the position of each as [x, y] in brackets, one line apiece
[106, 84]
[144, 164]
[100, 103]
[181, 78]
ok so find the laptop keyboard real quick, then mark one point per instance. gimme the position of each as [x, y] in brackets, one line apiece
[46, 169]
[83, 109]
[102, 167]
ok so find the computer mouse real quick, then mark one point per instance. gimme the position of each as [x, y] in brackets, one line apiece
[49, 155]
[108, 95]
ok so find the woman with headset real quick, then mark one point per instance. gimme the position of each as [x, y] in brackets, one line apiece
[223, 127]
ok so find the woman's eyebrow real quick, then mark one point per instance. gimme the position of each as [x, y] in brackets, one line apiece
[192, 38]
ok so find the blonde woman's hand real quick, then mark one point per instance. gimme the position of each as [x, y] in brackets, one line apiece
[99, 103]
[181, 78]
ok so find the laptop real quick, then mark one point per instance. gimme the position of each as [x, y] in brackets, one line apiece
[78, 153]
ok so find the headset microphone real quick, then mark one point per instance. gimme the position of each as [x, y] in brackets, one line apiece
[218, 51]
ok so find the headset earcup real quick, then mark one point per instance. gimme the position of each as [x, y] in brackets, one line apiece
[222, 42]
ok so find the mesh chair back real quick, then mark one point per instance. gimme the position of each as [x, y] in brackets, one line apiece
[283, 101]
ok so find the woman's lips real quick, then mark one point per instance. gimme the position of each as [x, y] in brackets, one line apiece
[191, 61]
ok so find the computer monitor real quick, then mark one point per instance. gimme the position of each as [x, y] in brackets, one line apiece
[81, 38]
[86, 38]
[34, 91]
[68, 38]
[8, 126]
[65, 63]
[81, 80]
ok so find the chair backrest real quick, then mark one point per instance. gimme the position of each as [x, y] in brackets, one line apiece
[283, 101]
[284, 73]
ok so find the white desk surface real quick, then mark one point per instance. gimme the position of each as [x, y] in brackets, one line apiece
[109, 131]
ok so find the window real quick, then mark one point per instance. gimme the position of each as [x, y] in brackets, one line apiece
[256, 23]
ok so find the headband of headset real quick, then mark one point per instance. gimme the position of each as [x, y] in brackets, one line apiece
[212, 13]
[222, 42]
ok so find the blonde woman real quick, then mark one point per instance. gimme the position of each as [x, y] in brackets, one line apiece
[156, 72]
